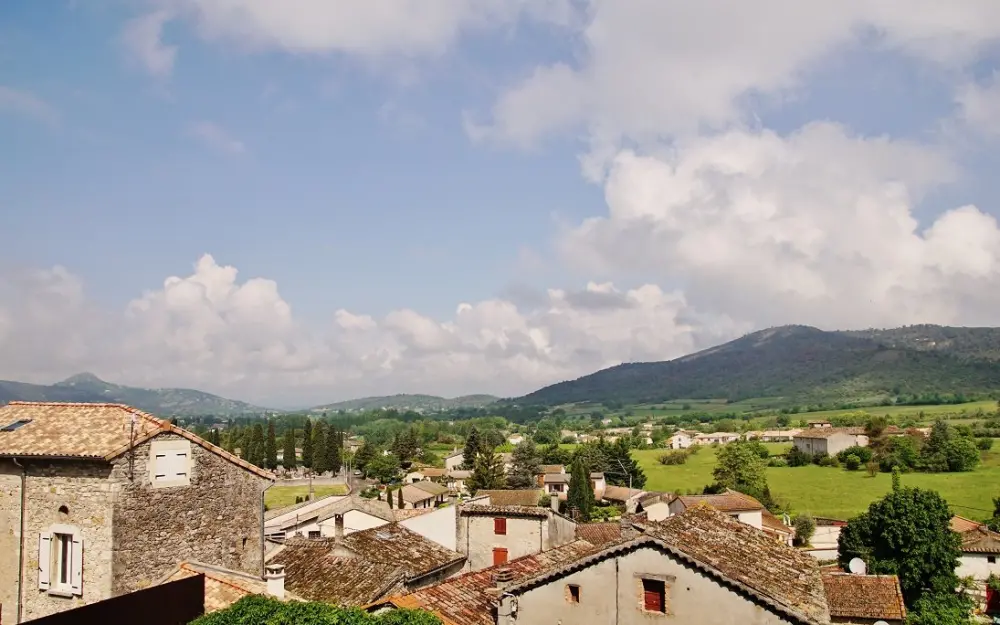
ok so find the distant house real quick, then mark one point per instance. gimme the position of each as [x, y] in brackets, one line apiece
[556, 483]
[743, 508]
[773, 436]
[818, 423]
[514, 497]
[605, 421]
[515, 439]
[427, 473]
[864, 598]
[492, 535]
[423, 494]
[564, 434]
[980, 549]
[830, 441]
[722, 438]
[353, 444]
[453, 460]
[300, 519]
[623, 496]
[455, 481]
[680, 440]
[598, 484]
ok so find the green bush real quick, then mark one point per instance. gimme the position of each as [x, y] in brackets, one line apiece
[260, 610]
[678, 456]
[829, 461]
[805, 527]
[852, 462]
[864, 454]
[985, 444]
[797, 458]
[775, 461]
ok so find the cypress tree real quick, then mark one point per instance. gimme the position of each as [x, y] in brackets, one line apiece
[319, 448]
[255, 448]
[307, 444]
[580, 496]
[388, 497]
[472, 445]
[334, 450]
[271, 447]
[288, 450]
[399, 498]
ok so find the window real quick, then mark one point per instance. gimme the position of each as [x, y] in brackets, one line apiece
[654, 595]
[60, 560]
[170, 463]
[315, 534]
[573, 593]
[991, 559]
[499, 556]
[500, 527]
[10, 427]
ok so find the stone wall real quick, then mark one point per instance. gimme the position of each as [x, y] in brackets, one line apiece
[10, 538]
[75, 493]
[215, 520]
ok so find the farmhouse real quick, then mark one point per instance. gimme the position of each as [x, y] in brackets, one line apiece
[98, 500]
[829, 441]
[680, 440]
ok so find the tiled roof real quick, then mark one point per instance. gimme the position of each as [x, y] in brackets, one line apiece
[409, 513]
[399, 546]
[827, 432]
[961, 524]
[772, 523]
[312, 571]
[551, 468]
[620, 493]
[527, 497]
[557, 478]
[465, 599]
[506, 511]
[981, 540]
[730, 501]
[374, 507]
[223, 587]
[432, 472]
[460, 474]
[430, 487]
[454, 454]
[273, 514]
[599, 534]
[81, 430]
[414, 494]
[870, 597]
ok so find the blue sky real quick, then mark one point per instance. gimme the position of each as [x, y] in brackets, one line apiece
[507, 157]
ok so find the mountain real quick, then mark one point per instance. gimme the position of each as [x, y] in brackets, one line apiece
[163, 402]
[420, 403]
[803, 364]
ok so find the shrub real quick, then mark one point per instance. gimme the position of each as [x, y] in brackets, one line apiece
[545, 500]
[258, 609]
[852, 462]
[797, 458]
[864, 454]
[775, 461]
[805, 527]
[871, 467]
[828, 461]
[675, 457]
[984, 444]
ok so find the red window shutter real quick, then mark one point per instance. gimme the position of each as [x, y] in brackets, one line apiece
[499, 556]
[500, 526]
[654, 595]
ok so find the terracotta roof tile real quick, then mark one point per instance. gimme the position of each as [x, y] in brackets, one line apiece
[961, 524]
[399, 546]
[556, 478]
[313, 571]
[620, 493]
[872, 597]
[464, 600]
[528, 497]
[432, 472]
[980, 540]
[828, 432]
[599, 534]
[730, 501]
[773, 524]
[87, 430]
[223, 587]
[512, 511]
[432, 488]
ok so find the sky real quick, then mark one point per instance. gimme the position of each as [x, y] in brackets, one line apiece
[307, 201]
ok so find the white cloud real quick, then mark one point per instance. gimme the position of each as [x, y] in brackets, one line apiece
[142, 39]
[27, 104]
[216, 137]
[979, 105]
[817, 227]
[209, 330]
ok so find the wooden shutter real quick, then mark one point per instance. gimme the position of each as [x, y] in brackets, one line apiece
[44, 559]
[500, 526]
[653, 592]
[499, 556]
[76, 572]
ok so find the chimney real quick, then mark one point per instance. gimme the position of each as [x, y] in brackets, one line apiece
[274, 574]
[554, 502]
[628, 531]
[338, 526]
[503, 578]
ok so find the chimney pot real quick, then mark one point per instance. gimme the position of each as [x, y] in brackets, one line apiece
[503, 577]
[274, 575]
[338, 526]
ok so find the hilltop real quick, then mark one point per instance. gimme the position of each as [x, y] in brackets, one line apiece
[803, 364]
[164, 402]
[419, 403]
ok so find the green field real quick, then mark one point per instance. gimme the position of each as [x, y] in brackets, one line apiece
[281, 496]
[834, 492]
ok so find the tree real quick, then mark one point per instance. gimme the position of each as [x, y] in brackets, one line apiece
[270, 447]
[261, 610]
[524, 465]
[906, 533]
[383, 467]
[805, 527]
[994, 523]
[554, 454]
[288, 459]
[472, 445]
[594, 455]
[388, 498]
[581, 495]
[622, 469]
[366, 453]
[487, 472]
[228, 440]
[334, 450]
[319, 448]
[399, 498]
[740, 468]
[962, 454]
[934, 456]
[405, 444]
[255, 446]
[947, 608]
[307, 445]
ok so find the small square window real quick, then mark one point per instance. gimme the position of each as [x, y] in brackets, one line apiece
[573, 593]
[315, 534]
[991, 559]
[654, 595]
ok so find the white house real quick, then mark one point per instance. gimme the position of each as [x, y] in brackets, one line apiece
[455, 481]
[722, 438]
[490, 535]
[980, 549]
[742, 507]
[680, 440]
[773, 436]
[515, 439]
[830, 441]
[453, 460]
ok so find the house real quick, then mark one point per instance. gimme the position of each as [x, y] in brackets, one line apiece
[355, 514]
[454, 460]
[698, 567]
[773, 436]
[980, 549]
[598, 484]
[564, 434]
[515, 439]
[743, 508]
[301, 518]
[623, 496]
[549, 469]
[425, 473]
[353, 444]
[455, 481]
[99, 500]
[680, 440]
[606, 421]
[655, 505]
[818, 423]
[489, 534]
[864, 598]
[556, 483]
[224, 587]
[508, 461]
[520, 497]
[827, 440]
[423, 495]
[721, 438]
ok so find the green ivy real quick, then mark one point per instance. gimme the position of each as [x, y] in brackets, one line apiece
[260, 610]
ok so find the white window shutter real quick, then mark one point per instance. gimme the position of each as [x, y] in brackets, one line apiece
[76, 574]
[44, 559]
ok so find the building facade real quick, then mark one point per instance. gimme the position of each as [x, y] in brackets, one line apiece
[491, 535]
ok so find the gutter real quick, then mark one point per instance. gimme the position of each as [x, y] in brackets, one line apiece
[263, 544]
[20, 548]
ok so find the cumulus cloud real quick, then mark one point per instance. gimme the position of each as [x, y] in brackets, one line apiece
[979, 105]
[216, 137]
[142, 39]
[211, 331]
[27, 104]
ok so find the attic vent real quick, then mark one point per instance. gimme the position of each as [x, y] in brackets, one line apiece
[10, 427]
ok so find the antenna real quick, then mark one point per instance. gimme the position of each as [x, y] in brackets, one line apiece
[857, 566]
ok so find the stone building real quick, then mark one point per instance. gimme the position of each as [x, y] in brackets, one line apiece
[489, 535]
[97, 500]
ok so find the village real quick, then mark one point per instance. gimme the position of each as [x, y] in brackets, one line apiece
[100, 502]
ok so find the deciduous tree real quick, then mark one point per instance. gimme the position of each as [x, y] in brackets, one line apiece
[739, 467]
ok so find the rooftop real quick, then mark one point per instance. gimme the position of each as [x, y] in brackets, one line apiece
[551, 468]
[827, 432]
[730, 501]
[399, 546]
[430, 487]
[871, 597]
[431, 472]
[413, 493]
[961, 524]
[460, 474]
[373, 507]
[313, 572]
[304, 508]
[620, 493]
[527, 497]
[600, 534]
[556, 478]
[981, 540]
[504, 511]
[223, 587]
[97, 431]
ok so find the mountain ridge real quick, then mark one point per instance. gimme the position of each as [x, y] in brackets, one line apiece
[407, 401]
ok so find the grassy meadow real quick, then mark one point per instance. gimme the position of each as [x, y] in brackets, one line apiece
[834, 492]
[281, 496]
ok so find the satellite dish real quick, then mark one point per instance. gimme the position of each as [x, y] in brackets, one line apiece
[857, 566]
[881, 623]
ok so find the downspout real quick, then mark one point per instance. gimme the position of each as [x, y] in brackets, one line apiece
[20, 549]
[270, 483]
